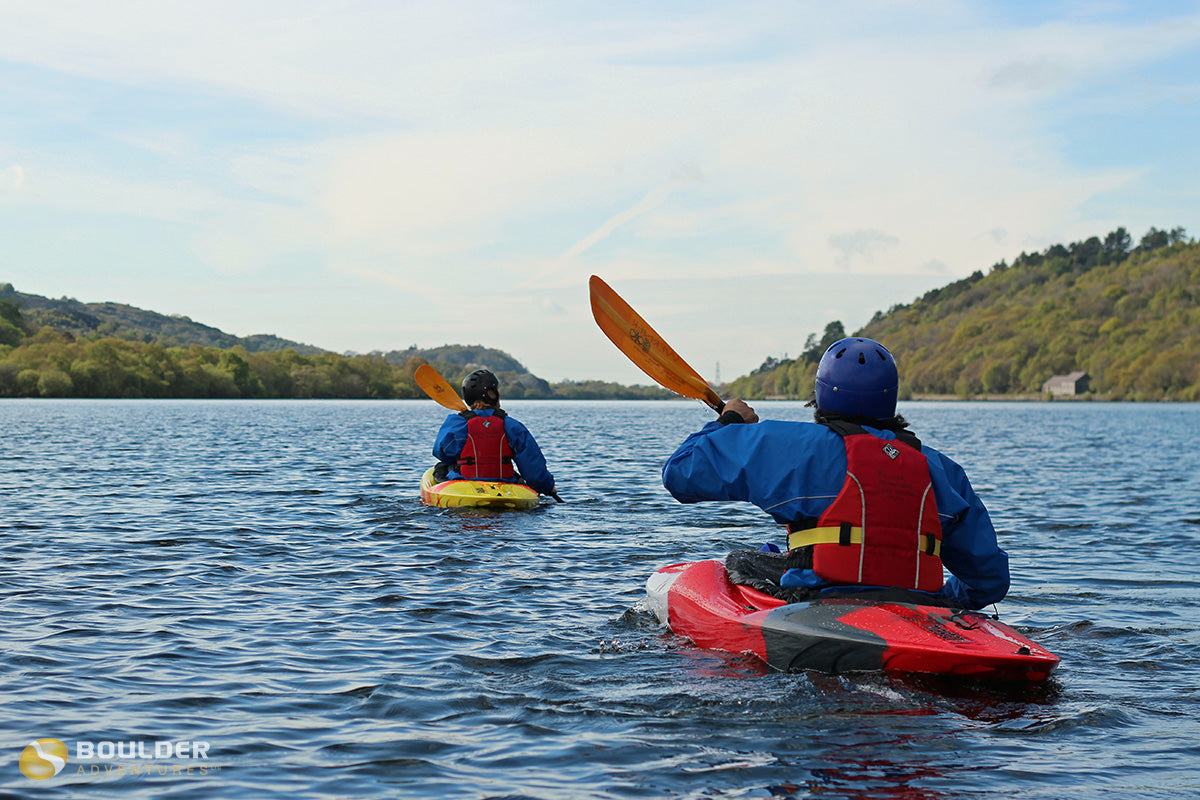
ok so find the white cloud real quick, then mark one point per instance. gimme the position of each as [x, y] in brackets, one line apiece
[12, 178]
[861, 245]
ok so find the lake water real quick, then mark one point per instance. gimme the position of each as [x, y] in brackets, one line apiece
[259, 578]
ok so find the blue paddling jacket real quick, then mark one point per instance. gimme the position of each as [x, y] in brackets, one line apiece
[794, 470]
[527, 456]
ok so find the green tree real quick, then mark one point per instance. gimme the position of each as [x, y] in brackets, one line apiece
[1117, 244]
[814, 348]
[997, 377]
[12, 324]
[1154, 239]
[54, 383]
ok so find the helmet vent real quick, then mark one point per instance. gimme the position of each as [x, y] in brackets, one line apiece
[862, 358]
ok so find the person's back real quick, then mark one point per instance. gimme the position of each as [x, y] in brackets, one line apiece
[866, 504]
[487, 444]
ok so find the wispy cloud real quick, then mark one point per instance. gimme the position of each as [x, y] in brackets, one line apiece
[861, 245]
[653, 199]
[12, 178]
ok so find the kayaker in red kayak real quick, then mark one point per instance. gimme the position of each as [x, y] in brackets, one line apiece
[866, 504]
[484, 443]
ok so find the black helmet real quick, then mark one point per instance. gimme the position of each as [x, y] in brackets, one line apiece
[476, 386]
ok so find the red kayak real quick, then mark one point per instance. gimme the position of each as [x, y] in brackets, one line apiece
[840, 634]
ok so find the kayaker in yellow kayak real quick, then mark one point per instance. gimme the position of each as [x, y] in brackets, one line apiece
[484, 443]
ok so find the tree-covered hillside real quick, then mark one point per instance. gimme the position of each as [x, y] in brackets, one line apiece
[119, 321]
[53, 364]
[62, 349]
[456, 361]
[1128, 316]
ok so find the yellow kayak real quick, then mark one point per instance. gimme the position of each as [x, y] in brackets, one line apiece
[461, 493]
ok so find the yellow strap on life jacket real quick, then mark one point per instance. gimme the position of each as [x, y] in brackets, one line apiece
[833, 534]
[830, 534]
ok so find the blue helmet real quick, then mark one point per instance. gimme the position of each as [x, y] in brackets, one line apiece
[857, 377]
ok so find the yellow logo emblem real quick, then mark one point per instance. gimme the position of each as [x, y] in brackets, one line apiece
[43, 758]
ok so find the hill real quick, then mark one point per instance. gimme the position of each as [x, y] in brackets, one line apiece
[456, 361]
[118, 321]
[1128, 316]
[65, 348]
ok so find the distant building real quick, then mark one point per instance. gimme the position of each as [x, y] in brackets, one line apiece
[1072, 383]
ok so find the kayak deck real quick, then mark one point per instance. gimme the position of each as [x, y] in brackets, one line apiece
[840, 634]
[462, 493]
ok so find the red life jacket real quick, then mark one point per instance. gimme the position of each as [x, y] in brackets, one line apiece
[486, 456]
[883, 527]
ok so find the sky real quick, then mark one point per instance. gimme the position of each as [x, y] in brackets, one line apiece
[370, 175]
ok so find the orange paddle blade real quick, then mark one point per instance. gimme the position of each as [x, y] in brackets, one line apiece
[645, 348]
[437, 388]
